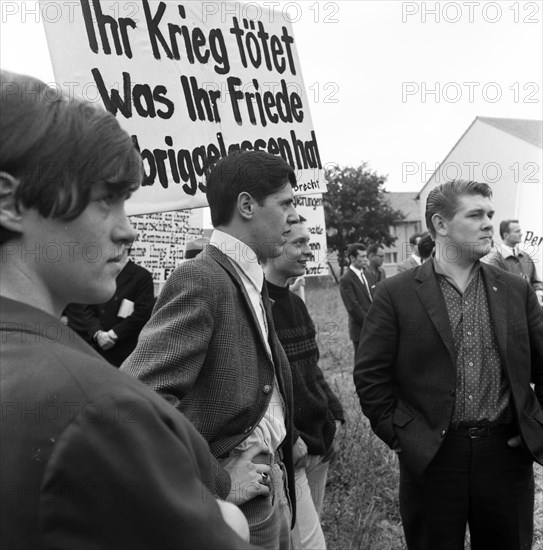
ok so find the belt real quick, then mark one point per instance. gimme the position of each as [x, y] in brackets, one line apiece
[475, 432]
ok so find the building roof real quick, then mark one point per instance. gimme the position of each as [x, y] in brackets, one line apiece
[407, 203]
[530, 131]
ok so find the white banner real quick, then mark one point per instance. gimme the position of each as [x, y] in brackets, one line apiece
[312, 209]
[530, 218]
[190, 81]
[161, 241]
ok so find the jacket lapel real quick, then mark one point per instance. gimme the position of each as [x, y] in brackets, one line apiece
[273, 341]
[223, 260]
[432, 299]
[360, 284]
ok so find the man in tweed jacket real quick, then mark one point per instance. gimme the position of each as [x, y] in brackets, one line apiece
[211, 350]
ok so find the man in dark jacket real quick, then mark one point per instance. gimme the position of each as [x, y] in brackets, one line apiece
[444, 370]
[114, 327]
[89, 458]
[355, 291]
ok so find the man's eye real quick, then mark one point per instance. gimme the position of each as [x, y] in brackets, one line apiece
[112, 198]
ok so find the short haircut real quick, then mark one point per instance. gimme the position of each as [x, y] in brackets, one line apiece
[443, 199]
[255, 172]
[426, 245]
[413, 238]
[374, 248]
[59, 147]
[504, 226]
[354, 249]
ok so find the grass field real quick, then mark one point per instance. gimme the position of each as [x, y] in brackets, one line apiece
[361, 504]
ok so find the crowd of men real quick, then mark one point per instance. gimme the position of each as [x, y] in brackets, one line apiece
[218, 429]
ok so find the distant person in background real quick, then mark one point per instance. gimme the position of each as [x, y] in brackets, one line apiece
[194, 247]
[508, 256]
[426, 246]
[317, 411]
[355, 291]
[374, 271]
[78, 318]
[114, 327]
[414, 259]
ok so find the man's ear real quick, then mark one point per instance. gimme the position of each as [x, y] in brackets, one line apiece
[10, 216]
[440, 224]
[245, 205]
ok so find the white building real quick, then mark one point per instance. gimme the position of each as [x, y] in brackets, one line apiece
[508, 155]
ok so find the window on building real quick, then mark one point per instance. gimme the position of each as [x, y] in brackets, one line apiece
[391, 257]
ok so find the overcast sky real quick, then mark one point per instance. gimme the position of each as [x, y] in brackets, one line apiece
[391, 83]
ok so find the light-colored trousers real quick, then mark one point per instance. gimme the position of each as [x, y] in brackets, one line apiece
[310, 484]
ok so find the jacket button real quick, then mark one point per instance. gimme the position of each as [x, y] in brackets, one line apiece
[267, 388]
[249, 429]
[443, 433]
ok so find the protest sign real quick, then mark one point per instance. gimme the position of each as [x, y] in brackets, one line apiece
[190, 81]
[161, 241]
[529, 214]
[312, 209]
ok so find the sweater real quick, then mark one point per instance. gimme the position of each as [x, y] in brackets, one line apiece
[316, 408]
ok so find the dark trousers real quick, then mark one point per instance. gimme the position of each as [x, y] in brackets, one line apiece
[481, 482]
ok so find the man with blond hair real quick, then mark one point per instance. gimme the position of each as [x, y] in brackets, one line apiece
[447, 358]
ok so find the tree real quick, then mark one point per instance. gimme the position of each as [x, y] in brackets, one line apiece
[356, 210]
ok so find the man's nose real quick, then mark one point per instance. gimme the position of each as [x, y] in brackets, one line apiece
[124, 230]
[293, 216]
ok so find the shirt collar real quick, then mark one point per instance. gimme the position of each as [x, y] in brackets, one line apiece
[508, 251]
[358, 272]
[241, 254]
[439, 271]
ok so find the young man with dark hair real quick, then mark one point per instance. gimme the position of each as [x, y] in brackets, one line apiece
[210, 348]
[317, 411]
[414, 259]
[355, 291]
[89, 457]
[425, 246]
[374, 271]
[444, 370]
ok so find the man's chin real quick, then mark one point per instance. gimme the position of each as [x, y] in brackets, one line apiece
[485, 248]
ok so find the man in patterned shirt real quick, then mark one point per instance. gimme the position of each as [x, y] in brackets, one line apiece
[447, 355]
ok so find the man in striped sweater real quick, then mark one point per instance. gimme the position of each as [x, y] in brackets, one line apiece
[317, 411]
